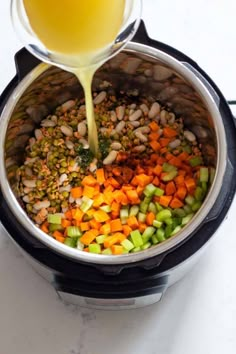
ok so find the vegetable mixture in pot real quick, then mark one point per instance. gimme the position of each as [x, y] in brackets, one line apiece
[146, 185]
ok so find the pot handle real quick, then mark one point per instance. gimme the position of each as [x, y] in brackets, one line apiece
[25, 62]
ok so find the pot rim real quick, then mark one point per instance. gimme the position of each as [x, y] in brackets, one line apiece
[166, 246]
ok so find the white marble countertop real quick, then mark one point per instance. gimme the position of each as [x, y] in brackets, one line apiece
[197, 315]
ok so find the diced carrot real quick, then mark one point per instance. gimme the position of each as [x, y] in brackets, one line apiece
[170, 188]
[156, 181]
[155, 145]
[68, 215]
[65, 223]
[126, 230]
[175, 161]
[108, 197]
[179, 180]
[114, 215]
[150, 218]
[90, 212]
[88, 191]
[76, 192]
[109, 188]
[157, 170]
[142, 227]
[183, 156]
[113, 182]
[96, 190]
[139, 190]
[101, 216]
[116, 238]
[126, 188]
[168, 156]
[77, 214]
[44, 227]
[133, 222]
[86, 249]
[163, 150]
[134, 181]
[100, 175]
[161, 160]
[95, 224]
[89, 181]
[165, 200]
[181, 172]
[116, 249]
[120, 197]
[154, 157]
[139, 170]
[190, 184]
[116, 225]
[115, 206]
[98, 200]
[176, 203]
[105, 229]
[154, 126]
[58, 236]
[164, 141]
[162, 186]
[133, 197]
[84, 226]
[169, 132]
[89, 236]
[154, 136]
[143, 179]
[181, 192]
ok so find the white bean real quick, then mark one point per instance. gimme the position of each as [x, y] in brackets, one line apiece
[29, 183]
[27, 190]
[26, 199]
[148, 72]
[135, 123]
[144, 108]
[136, 115]
[69, 144]
[154, 110]
[82, 129]
[139, 148]
[47, 123]
[120, 112]
[161, 72]
[132, 106]
[174, 144]
[110, 157]
[54, 118]
[67, 105]
[38, 134]
[116, 145]
[163, 116]
[100, 97]
[41, 205]
[84, 143]
[71, 199]
[62, 178]
[65, 188]
[141, 137]
[120, 126]
[171, 119]
[144, 130]
[68, 131]
[113, 116]
[189, 136]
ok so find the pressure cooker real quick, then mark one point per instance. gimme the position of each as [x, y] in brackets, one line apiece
[172, 78]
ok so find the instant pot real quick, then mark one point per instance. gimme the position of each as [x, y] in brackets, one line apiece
[158, 72]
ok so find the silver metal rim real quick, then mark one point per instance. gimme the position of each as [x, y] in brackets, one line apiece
[75, 254]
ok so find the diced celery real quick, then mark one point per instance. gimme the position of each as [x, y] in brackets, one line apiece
[167, 167]
[136, 249]
[199, 194]
[152, 208]
[160, 235]
[197, 205]
[124, 214]
[168, 231]
[169, 176]
[157, 224]
[94, 248]
[134, 210]
[73, 231]
[154, 240]
[144, 207]
[107, 251]
[54, 218]
[149, 190]
[141, 217]
[79, 245]
[179, 212]
[71, 242]
[187, 149]
[168, 221]
[86, 204]
[146, 246]
[106, 208]
[187, 218]
[176, 229]
[187, 209]
[204, 174]
[204, 187]
[159, 192]
[136, 238]
[148, 232]
[125, 251]
[195, 161]
[147, 200]
[55, 227]
[128, 245]
[100, 239]
[163, 215]
[158, 206]
[189, 199]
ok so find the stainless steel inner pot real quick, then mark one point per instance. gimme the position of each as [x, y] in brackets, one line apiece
[137, 70]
